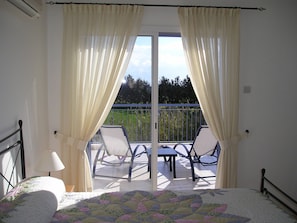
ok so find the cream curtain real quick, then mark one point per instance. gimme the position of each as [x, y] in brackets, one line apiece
[98, 42]
[211, 43]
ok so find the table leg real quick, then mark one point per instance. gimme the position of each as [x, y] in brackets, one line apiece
[174, 172]
[149, 165]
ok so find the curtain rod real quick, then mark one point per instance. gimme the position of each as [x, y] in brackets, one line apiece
[154, 5]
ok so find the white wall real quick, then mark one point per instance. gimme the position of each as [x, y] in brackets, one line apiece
[54, 66]
[268, 66]
[23, 80]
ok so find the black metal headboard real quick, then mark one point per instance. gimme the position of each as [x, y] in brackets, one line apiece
[14, 147]
[277, 194]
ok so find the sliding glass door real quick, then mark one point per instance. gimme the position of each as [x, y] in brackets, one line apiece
[143, 68]
[156, 58]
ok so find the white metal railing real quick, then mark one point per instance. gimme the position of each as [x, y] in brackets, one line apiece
[177, 122]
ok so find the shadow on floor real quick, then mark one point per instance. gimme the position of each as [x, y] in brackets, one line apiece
[141, 180]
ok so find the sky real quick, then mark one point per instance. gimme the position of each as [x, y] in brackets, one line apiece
[171, 59]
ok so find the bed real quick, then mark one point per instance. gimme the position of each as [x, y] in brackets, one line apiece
[44, 199]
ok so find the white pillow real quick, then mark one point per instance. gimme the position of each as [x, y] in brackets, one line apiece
[33, 200]
[47, 183]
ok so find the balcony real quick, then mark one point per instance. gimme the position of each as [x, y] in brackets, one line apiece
[178, 123]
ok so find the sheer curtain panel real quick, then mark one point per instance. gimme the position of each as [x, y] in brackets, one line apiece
[211, 44]
[97, 45]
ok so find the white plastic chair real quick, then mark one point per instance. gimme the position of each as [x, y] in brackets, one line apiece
[204, 144]
[115, 142]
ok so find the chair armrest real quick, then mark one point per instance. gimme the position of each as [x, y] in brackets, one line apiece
[182, 150]
[135, 154]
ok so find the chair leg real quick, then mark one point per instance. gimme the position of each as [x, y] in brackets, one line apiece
[95, 161]
[192, 168]
[131, 164]
[132, 161]
[130, 167]
[194, 177]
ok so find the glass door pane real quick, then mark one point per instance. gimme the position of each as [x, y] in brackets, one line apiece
[173, 83]
[132, 106]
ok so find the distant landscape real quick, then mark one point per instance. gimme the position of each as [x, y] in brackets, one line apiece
[179, 116]
[175, 91]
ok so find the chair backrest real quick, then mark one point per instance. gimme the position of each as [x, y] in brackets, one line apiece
[204, 142]
[115, 140]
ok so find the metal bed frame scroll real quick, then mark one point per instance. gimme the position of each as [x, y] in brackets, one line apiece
[287, 201]
[14, 144]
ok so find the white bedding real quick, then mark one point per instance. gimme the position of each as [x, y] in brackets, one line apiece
[249, 203]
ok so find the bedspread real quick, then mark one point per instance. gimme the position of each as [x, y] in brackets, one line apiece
[142, 206]
[214, 205]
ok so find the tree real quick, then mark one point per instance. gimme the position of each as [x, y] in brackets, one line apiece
[174, 91]
[132, 91]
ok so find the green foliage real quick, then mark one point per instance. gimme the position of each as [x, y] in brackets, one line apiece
[176, 124]
[132, 91]
[176, 91]
[136, 121]
[170, 91]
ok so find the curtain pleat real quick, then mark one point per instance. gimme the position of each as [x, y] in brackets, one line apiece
[97, 46]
